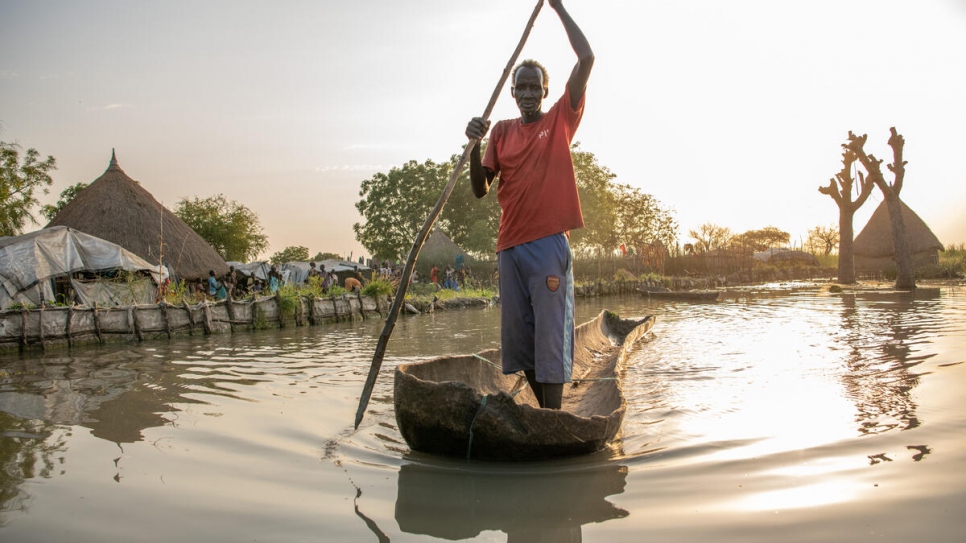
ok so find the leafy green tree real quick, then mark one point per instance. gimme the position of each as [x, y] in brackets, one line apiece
[395, 205]
[293, 253]
[472, 223]
[324, 256]
[598, 201]
[66, 195]
[230, 227]
[19, 183]
[754, 241]
[641, 220]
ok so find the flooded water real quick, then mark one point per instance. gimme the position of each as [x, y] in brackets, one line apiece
[775, 414]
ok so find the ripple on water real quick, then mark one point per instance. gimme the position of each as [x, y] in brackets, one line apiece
[777, 398]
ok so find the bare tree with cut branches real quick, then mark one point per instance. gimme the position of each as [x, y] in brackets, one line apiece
[905, 273]
[840, 189]
[710, 237]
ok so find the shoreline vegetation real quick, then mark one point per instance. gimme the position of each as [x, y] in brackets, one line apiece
[182, 312]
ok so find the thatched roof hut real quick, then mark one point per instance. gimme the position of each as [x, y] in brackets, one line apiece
[439, 249]
[117, 208]
[873, 246]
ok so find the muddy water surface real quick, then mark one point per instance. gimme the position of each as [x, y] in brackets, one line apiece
[775, 414]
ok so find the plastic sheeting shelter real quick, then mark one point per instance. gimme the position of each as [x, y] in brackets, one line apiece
[298, 272]
[30, 263]
[258, 270]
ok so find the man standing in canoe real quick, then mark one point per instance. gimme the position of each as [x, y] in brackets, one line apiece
[537, 192]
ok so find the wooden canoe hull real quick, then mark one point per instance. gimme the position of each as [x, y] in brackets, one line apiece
[464, 406]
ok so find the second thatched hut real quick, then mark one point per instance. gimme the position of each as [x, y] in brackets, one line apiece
[873, 246]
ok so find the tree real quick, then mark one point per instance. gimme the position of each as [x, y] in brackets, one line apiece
[324, 256]
[472, 223]
[824, 238]
[230, 227]
[293, 253]
[905, 273]
[19, 183]
[598, 202]
[66, 195]
[395, 206]
[754, 241]
[640, 219]
[840, 189]
[710, 237]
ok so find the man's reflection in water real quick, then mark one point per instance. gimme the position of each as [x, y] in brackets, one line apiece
[540, 503]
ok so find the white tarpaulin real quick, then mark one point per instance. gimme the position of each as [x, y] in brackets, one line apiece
[299, 271]
[30, 261]
[258, 270]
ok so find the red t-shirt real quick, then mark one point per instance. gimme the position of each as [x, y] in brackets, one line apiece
[537, 189]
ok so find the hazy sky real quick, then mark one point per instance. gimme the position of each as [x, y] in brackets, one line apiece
[727, 112]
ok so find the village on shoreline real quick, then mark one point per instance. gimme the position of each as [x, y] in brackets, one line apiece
[35, 330]
[85, 280]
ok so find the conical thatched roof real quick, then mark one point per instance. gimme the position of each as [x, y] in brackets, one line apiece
[875, 240]
[439, 241]
[441, 248]
[117, 208]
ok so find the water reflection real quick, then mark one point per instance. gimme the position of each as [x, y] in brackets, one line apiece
[116, 394]
[782, 399]
[529, 504]
[28, 449]
[885, 333]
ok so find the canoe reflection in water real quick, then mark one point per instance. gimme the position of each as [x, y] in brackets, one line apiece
[528, 503]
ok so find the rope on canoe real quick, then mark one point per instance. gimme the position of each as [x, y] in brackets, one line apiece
[469, 444]
[495, 365]
[576, 380]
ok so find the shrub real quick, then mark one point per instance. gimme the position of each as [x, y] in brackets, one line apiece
[378, 287]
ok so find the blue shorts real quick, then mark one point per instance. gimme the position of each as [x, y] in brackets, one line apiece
[537, 308]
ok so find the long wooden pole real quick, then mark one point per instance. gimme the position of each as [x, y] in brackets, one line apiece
[427, 226]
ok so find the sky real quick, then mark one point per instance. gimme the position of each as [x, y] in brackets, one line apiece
[727, 112]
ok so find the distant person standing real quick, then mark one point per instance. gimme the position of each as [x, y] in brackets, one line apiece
[230, 279]
[274, 279]
[215, 289]
[313, 272]
[537, 192]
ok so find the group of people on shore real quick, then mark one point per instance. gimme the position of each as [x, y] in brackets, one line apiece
[325, 278]
[453, 278]
[237, 285]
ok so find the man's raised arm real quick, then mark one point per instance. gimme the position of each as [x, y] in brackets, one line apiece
[577, 83]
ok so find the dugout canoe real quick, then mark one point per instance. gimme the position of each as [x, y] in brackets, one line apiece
[465, 406]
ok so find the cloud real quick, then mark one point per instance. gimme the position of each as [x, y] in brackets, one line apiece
[5, 74]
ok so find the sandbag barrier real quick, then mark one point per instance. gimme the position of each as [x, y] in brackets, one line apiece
[49, 326]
